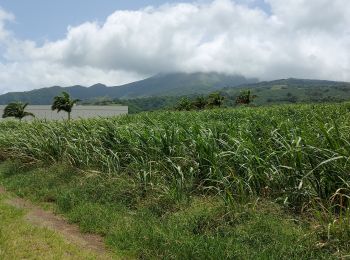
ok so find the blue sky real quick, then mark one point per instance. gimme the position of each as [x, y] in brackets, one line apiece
[119, 41]
[42, 20]
[45, 19]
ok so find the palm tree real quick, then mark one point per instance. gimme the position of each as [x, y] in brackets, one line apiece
[64, 102]
[215, 99]
[199, 103]
[245, 98]
[16, 110]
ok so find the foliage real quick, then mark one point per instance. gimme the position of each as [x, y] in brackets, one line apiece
[295, 155]
[184, 104]
[266, 95]
[64, 102]
[17, 110]
[137, 105]
[199, 102]
[215, 100]
[245, 98]
[156, 226]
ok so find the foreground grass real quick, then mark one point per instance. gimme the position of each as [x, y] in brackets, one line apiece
[21, 240]
[173, 185]
[159, 227]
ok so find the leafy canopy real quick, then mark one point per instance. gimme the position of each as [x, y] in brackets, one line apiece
[245, 98]
[16, 110]
[184, 104]
[215, 99]
[201, 102]
[64, 102]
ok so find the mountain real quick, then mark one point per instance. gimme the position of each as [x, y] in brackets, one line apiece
[295, 91]
[283, 91]
[181, 84]
[173, 84]
[190, 84]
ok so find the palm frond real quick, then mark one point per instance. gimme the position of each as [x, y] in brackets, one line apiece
[17, 110]
[28, 114]
[63, 103]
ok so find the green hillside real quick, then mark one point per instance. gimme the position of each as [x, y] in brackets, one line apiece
[164, 90]
[159, 85]
[296, 90]
[181, 84]
[285, 91]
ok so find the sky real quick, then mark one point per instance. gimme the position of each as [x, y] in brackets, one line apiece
[45, 43]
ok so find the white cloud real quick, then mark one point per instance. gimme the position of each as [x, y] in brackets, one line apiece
[4, 17]
[18, 76]
[304, 38]
[306, 15]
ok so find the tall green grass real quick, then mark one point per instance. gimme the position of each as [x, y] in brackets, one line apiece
[154, 225]
[296, 155]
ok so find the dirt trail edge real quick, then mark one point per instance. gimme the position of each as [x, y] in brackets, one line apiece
[70, 232]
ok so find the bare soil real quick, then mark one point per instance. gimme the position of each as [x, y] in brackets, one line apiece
[48, 219]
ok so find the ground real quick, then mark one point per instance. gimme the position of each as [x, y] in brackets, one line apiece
[28, 232]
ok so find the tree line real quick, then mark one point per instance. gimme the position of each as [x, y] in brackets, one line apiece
[65, 103]
[213, 100]
[60, 103]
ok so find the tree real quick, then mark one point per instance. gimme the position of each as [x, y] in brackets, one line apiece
[184, 104]
[16, 110]
[215, 99]
[199, 103]
[64, 102]
[245, 98]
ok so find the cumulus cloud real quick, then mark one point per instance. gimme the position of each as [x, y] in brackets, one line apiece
[306, 38]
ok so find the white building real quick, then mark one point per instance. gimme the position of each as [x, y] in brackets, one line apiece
[45, 112]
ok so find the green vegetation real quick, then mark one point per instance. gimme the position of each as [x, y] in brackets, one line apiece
[289, 91]
[267, 182]
[138, 105]
[200, 102]
[184, 104]
[20, 240]
[214, 100]
[16, 110]
[164, 91]
[173, 84]
[157, 223]
[245, 98]
[64, 102]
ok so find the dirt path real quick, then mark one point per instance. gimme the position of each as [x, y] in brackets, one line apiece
[70, 232]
